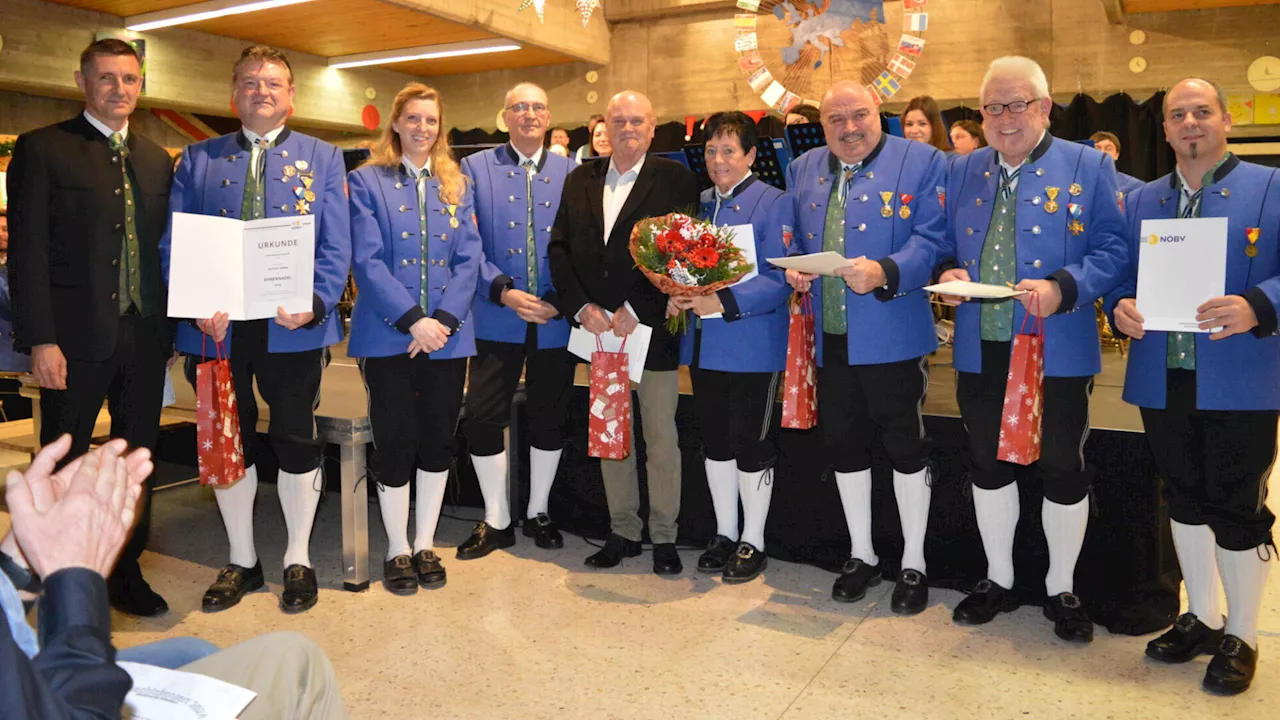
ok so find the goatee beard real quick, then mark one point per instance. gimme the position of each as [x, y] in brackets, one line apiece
[1195, 151]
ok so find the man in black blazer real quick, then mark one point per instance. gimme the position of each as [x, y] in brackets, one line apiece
[599, 287]
[88, 201]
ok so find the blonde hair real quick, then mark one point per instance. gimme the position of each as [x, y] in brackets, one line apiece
[388, 153]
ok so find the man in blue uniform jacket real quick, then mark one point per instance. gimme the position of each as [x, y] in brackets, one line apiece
[266, 170]
[1043, 215]
[1109, 144]
[517, 193]
[1209, 399]
[876, 199]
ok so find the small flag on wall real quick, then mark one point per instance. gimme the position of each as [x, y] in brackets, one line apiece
[911, 45]
[913, 4]
[901, 66]
[887, 86]
[915, 22]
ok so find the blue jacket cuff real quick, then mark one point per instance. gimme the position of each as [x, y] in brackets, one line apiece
[730, 303]
[1070, 292]
[447, 319]
[317, 312]
[411, 316]
[1263, 310]
[500, 283]
[892, 277]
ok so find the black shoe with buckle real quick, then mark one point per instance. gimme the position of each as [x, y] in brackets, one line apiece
[300, 589]
[1230, 672]
[544, 532]
[717, 554]
[428, 568]
[745, 565]
[855, 578]
[987, 600]
[1188, 639]
[1070, 621]
[911, 594]
[615, 548]
[232, 584]
[485, 539]
[398, 576]
[666, 561]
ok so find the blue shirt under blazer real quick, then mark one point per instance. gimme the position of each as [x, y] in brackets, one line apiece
[1085, 265]
[210, 181]
[895, 323]
[388, 246]
[1241, 372]
[751, 335]
[502, 215]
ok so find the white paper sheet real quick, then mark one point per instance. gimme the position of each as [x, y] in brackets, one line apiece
[823, 263]
[245, 269]
[582, 343]
[1184, 266]
[744, 237]
[964, 288]
[162, 694]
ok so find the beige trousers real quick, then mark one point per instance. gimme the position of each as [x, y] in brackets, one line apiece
[291, 674]
[658, 393]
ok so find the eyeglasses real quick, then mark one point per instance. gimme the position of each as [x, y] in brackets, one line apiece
[524, 107]
[1015, 107]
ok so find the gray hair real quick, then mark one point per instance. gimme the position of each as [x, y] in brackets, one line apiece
[1222, 94]
[1017, 67]
[506, 101]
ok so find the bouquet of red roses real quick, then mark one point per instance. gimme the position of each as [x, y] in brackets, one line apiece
[686, 257]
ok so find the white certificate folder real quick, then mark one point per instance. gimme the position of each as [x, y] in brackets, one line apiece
[246, 269]
[1181, 264]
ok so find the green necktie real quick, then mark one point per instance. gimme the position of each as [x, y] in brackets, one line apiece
[420, 185]
[130, 295]
[834, 319]
[251, 206]
[1180, 349]
[530, 243]
[999, 256]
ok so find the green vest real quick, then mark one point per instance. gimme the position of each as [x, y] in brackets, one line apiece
[1180, 351]
[134, 290]
[834, 318]
[999, 259]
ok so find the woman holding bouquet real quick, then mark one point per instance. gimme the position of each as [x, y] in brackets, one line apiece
[416, 255]
[737, 349]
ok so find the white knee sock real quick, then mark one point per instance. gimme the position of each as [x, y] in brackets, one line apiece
[722, 480]
[913, 493]
[299, 496]
[855, 496]
[1196, 548]
[1244, 575]
[491, 471]
[430, 500]
[1064, 527]
[235, 503]
[756, 489]
[543, 465]
[997, 512]
[394, 503]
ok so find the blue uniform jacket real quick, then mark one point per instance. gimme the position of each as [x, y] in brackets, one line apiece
[389, 256]
[1086, 265]
[1241, 372]
[501, 213]
[210, 181]
[751, 335]
[895, 323]
[1127, 183]
[10, 361]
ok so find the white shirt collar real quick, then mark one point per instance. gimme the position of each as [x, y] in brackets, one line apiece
[270, 137]
[106, 131]
[413, 169]
[1011, 168]
[733, 189]
[521, 158]
[634, 171]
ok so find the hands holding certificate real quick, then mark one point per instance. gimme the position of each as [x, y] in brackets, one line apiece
[429, 335]
[216, 326]
[1047, 293]
[1232, 314]
[293, 321]
[859, 274]
[800, 281]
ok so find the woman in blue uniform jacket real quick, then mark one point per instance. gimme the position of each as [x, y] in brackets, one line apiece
[736, 358]
[416, 258]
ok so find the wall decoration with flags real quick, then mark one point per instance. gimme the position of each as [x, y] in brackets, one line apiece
[539, 6]
[812, 43]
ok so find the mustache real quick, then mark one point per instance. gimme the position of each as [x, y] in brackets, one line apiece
[852, 137]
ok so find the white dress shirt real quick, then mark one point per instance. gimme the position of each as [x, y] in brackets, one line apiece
[253, 139]
[106, 131]
[521, 159]
[617, 188]
[416, 172]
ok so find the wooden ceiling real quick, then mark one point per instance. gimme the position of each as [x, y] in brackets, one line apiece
[345, 27]
[1148, 6]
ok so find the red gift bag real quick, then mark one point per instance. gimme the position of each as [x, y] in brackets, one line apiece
[609, 424]
[1024, 394]
[800, 394]
[219, 453]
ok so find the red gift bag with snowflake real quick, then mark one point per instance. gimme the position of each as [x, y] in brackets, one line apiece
[1024, 393]
[800, 389]
[609, 405]
[219, 453]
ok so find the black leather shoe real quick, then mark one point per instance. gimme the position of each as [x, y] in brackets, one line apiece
[133, 595]
[666, 561]
[485, 539]
[1230, 672]
[430, 572]
[983, 604]
[233, 582]
[615, 548]
[1185, 641]
[398, 576]
[855, 578]
[745, 565]
[300, 589]
[544, 532]
[1070, 622]
[717, 554]
[911, 594]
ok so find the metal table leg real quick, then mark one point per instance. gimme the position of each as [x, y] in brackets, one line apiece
[355, 518]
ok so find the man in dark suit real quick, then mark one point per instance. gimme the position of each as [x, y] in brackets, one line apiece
[599, 287]
[88, 203]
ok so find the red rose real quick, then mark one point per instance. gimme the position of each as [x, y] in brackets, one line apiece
[704, 257]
